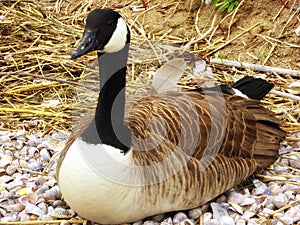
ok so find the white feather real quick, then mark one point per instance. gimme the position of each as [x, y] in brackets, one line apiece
[239, 93]
[167, 76]
[118, 39]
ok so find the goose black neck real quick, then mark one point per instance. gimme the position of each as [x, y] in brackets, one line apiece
[109, 117]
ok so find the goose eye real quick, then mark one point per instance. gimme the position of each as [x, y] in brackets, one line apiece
[110, 23]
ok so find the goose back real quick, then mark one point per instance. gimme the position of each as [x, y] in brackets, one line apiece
[210, 124]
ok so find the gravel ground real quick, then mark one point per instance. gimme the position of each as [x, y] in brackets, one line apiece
[29, 190]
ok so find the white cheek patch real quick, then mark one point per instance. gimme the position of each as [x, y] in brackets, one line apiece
[118, 39]
[239, 93]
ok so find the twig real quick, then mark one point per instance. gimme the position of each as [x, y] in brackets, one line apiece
[233, 15]
[231, 40]
[208, 31]
[285, 95]
[270, 53]
[256, 67]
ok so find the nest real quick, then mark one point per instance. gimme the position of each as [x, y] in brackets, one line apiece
[39, 81]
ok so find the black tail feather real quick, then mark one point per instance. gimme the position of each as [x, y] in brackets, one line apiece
[255, 88]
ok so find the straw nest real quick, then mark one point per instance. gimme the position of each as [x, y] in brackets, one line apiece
[43, 90]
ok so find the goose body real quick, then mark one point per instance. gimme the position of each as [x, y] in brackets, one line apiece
[160, 153]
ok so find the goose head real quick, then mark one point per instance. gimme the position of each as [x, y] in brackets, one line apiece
[105, 31]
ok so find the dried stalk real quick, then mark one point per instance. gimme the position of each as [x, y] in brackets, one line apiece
[256, 67]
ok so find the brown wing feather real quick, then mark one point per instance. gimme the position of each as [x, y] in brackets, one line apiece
[199, 125]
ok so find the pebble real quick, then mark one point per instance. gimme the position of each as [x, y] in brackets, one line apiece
[294, 213]
[241, 222]
[158, 217]
[195, 213]
[140, 222]
[179, 217]
[286, 220]
[280, 200]
[252, 222]
[297, 31]
[207, 217]
[226, 220]
[236, 197]
[167, 221]
[45, 155]
[150, 222]
[218, 211]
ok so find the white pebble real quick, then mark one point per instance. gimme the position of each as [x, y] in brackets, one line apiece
[14, 208]
[278, 222]
[236, 197]
[140, 222]
[10, 217]
[5, 179]
[32, 151]
[280, 200]
[10, 170]
[267, 211]
[274, 188]
[34, 165]
[212, 222]
[293, 212]
[241, 222]
[280, 169]
[59, 213]
[290, 195]
[206, 217]
[58, 202]
[24, 217]
[33, 209]
[235, 207]
[149, 222]
[45, 155]
[252, 222]
[167, 221]
[248, 201]
[179, 217]
[286, 220]
[226, 220]
[52, 194]
[297, 31]
[218, 211]
[195, 213]
[5, 160]
[295, 163]
[248, 214]
[45, 218]
[260, 187]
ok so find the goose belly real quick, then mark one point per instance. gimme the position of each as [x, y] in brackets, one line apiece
[97, 196]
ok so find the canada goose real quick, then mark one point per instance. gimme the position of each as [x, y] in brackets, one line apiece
[160, 153]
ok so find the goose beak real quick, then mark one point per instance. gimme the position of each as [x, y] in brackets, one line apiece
[87, 44]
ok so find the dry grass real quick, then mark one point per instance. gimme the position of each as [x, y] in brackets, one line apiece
[37, 40]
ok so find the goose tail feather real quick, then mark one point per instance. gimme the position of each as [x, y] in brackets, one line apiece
[254, 88]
